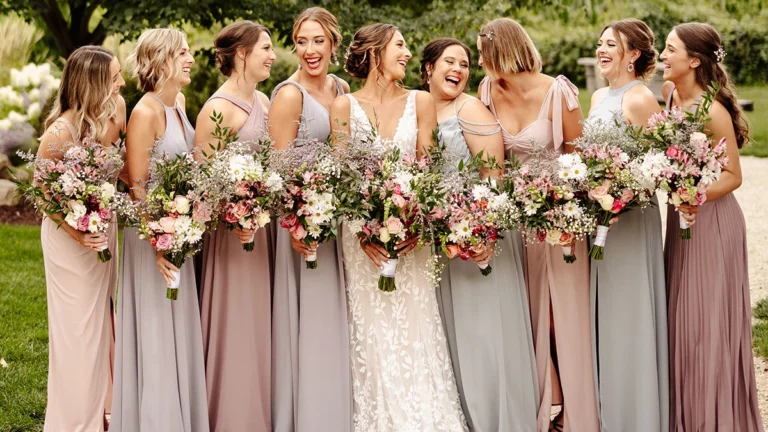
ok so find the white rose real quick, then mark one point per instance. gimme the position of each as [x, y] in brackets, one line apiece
[182, 204]
[107, 190]
[263, 219]
[71, 220]
[674, 198]
[553, 236]
[606, 202]
[384, 235]
[78, 209]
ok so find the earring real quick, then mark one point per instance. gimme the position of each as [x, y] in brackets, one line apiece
[335, 59]
[630, 67]
[299, 64]
[429, 78]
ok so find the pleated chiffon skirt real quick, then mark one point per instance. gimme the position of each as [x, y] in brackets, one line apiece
[712, 377]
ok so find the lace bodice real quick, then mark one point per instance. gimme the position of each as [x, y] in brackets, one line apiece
[405, 133]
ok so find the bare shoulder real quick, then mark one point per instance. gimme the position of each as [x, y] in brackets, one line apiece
[640, 98]
[667, 88]
[340, 104]
[721, 122]
[423, 99]
[54, 138]
[473, 109]
[289, 94]
[145, 115]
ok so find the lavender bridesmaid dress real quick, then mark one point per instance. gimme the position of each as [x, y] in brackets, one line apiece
[712, 374]
[235, 297]
[558, 291]
[159, 375]
[629, 313]
[310, 342]
[79, 289]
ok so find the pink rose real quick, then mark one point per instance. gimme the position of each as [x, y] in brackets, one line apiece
[452, 250]
[600, 191]
[701, 198]
[105, 214]
[394, 225]
[241, 189]
[289, 221]
[241, 210]
[154, 226]
[164, 242]
[684, 195]
[566, 239]
[672, 152]
[618, 205]
[82, 224]
[398, 200]
[202, 212]
[167, 224]
[298, 232]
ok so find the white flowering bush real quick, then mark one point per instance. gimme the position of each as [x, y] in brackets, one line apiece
[22, 102]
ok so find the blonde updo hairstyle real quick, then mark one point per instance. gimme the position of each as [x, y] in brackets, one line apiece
[86, 88]
[364, 53]
[327, 21]
[154, 50]
[507, 48]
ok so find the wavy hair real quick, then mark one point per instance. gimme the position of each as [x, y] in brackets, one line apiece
[86, 88]
[153, 51]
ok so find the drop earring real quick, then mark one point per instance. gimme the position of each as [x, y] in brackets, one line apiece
[299, 64]
[335, 59]
[630, 67]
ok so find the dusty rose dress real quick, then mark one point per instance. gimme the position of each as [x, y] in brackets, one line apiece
[79, 289]
[712, 378]
[558, 292]
[235, 309]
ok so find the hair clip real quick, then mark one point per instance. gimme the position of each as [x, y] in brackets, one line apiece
[488, 35]
[720, 54]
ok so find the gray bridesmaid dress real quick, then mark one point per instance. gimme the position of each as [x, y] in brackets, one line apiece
[310, 343]
[629, 310]
[487, 323]
[159, 371]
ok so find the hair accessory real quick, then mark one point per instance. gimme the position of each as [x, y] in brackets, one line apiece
[720, 54]
[488, 35]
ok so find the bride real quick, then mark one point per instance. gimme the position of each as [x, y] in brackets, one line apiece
[401, 369]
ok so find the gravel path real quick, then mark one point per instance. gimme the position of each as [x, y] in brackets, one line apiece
[754, 205]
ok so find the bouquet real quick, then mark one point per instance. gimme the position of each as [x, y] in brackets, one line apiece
[549, 190]
[694, 162]
[615, 181]
[174, 215]
[386, 197]
[246, 187]
[308, 204]
[78, 186]
[478, 210]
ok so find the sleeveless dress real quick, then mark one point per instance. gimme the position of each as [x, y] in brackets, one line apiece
[630, 328]
[79, 289]
[312, 388]
[159, 373]
[558, 292]
[235, 312]
[710, 336]
[487, 321]
[402, 378]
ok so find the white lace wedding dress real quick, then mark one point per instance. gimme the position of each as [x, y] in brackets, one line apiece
[402, 375]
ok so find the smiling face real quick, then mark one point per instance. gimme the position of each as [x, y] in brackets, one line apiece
[613, 58]
[395, 58]
[117, 77]
[182, 62]
[314, 48]
[677, 62]
[258, 63]
[450, 73]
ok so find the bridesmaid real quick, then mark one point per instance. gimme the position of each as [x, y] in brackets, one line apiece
[310, 341]
[712, 374]
[159, 379]
[79, 287]
[630, 328]
[497, 378]
[235, 291]
[534, 109]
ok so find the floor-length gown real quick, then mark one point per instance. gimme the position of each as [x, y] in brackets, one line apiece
[712, 375]
[487, 319]
[402, 378]
[79, 289]
[558, 292]
[630, 329]
[159, 370]
[311, 380]
[235, 296]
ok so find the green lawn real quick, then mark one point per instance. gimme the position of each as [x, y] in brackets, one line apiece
[757, 118]
[23, 330]
[760, 329]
